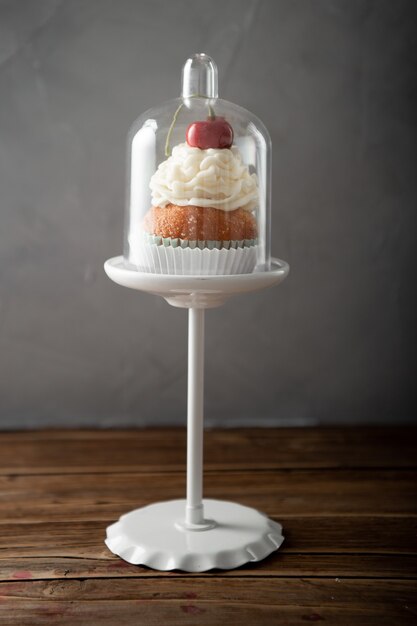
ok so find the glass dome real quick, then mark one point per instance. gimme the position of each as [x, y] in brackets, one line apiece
[199, 178]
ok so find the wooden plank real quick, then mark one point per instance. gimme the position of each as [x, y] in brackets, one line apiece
[278, 493]
[280, 591]
[126, 613]
[143, 450]
[337, 535]
[142, 613]
[282, 564]
[208, 601]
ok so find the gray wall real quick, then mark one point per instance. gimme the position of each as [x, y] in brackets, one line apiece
[334, 81]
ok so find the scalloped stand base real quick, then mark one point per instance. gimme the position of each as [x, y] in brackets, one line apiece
[155, 536]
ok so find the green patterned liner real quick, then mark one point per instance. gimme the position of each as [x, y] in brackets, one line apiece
[187, 243]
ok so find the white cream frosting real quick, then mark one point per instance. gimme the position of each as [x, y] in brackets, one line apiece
[214, 177]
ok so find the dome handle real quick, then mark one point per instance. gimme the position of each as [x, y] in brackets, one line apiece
[199, 77]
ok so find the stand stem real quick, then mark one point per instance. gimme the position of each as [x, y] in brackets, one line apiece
[194, 513]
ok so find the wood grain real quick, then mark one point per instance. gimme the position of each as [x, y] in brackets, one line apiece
[52, 451]
[283, 564]
[346, 498]
[207, 600]
[277, 493]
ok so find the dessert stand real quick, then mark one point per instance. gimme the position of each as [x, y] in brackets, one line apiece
[193, 534]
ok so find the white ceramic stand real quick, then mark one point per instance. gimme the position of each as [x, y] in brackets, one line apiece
[194, 535]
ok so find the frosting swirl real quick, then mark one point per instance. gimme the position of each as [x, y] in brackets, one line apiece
[205, 178]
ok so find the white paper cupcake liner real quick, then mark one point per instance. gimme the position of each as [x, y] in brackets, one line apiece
[197, 259]
[206, 243]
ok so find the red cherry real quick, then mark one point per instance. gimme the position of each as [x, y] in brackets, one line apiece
[214, 132]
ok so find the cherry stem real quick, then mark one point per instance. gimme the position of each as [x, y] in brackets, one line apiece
[171, 128]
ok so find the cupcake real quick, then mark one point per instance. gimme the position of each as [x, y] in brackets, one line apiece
[202, 220]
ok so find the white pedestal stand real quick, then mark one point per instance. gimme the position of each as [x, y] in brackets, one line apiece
[194, 535]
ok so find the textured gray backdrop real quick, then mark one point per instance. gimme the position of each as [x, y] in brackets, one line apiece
[334, 81]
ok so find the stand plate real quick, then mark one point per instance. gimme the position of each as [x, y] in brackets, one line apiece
[194, 291]
[155, 536]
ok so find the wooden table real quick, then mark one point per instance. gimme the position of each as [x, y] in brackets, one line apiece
[346, 498]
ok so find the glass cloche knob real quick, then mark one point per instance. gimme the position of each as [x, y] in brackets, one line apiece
[199, 77]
